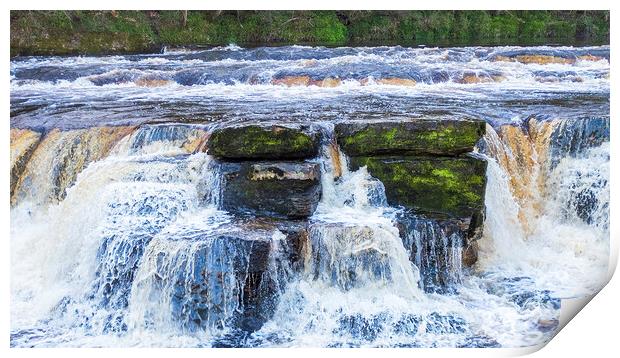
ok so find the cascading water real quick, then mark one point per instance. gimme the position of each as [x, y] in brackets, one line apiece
[361, 287]
[564, 244]
[436, 251]
[118, 237]
[148, 214]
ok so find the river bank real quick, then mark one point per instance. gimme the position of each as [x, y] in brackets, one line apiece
[79, 32]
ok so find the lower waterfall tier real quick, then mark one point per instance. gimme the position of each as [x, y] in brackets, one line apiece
[138, 236]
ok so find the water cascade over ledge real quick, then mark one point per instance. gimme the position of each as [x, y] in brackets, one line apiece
[377, 225]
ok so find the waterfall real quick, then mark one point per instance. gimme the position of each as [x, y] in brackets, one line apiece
[522, 151]
[561, 237]
[139, 249]
[437, 250]
[360, 285]
[78, 257]
[130, 227]
[57, 160]
[353, 239]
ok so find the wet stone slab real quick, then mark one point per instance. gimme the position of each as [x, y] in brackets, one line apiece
[279, 189]
[263, 142]
[418, 136]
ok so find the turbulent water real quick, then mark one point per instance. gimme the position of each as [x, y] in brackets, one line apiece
[118, 237]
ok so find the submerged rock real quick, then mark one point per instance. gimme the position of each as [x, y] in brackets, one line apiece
[327, 82]
[471, 78]
[348, 256]
[263, 142]
[548, 325]
[394, 81]
[590, 57]
[537, 59]
[295, 236]
[440, 137]
[186, 137]
[289, 189]
[290, 81]
[440, 249]
[436, 186]
[305, 80]
[573, 136]
[220, 278]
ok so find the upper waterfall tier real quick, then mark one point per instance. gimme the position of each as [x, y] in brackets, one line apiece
[309, 84]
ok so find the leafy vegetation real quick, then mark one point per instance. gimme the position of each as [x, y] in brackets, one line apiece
[79, 32]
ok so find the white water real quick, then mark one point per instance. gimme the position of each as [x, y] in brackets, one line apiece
[358, 288]
[221, 84]
[355, 296]
[115, 262]
[562, 253]
[120, 201]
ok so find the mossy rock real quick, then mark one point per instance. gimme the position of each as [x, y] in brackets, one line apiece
[259, 142]
[435, 186]
[271, 189]
[423, 136]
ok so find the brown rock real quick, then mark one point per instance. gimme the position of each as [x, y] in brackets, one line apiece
[544, 59]
[470, 254]
[335, 157]
[23, 143]
[151, 82]
[589, 57]
[538, 59]
[393, 81]
[290, 81]
[469, 79]
[327, 82]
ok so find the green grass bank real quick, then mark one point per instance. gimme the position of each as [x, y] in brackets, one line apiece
[65, 32]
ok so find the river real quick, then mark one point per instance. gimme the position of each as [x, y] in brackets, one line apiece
[116, 209]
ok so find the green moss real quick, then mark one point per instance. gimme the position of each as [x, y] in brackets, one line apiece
[441, 136]
[430, 185]
[262, 143]
[328, 29]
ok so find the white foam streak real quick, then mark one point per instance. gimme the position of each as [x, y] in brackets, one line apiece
[562, 253]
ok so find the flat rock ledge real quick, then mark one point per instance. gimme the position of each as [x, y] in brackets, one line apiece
[421, 136]
[263, 142]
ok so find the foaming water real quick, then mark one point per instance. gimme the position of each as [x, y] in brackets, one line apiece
[118, 237]
[362, 288]
[164, 272]
[77, 258]
[565, 244]
[218, 84]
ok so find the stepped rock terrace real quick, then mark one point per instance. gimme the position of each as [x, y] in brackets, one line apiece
[307, 196]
